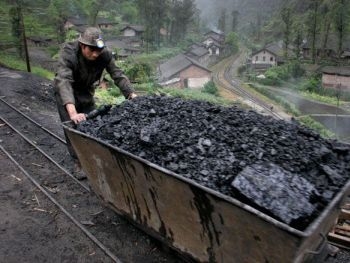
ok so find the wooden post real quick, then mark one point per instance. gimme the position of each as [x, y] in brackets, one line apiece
[24, 37]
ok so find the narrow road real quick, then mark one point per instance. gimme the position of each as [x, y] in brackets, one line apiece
[335, 119]
[232, 88]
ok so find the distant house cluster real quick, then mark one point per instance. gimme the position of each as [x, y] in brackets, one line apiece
[273, 54]
[332, 77]
[186, 70]
[189, 69]
[327, 49]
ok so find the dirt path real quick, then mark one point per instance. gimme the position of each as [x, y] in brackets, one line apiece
[33, 229]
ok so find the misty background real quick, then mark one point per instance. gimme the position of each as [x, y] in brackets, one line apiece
[250, 11]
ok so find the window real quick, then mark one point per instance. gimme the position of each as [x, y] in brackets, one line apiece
[271, 58]
[256, 58]
[264, 58]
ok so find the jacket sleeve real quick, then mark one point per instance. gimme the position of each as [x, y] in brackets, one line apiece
[119, 78]
[64, 78]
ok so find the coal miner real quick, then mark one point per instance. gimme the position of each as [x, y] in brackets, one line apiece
[80, 67]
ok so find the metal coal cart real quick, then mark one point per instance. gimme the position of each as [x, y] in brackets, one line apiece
[201, 224]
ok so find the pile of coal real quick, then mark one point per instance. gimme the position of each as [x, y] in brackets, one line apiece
[280, 168]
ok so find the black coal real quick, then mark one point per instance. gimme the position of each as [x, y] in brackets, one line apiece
[283, 169]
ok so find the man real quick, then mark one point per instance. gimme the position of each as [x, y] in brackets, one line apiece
[80, 66]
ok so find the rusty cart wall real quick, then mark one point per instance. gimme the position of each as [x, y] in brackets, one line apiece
[202, 224]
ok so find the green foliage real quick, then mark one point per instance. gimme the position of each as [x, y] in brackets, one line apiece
[232, 42]
[289, 107]
[275, 75]
[19, 64]
[316, 126]
[328, 96]
[129, 11]
[241, 69]
[271, 78]
[313, 84]
[71, 35]
[139, 72]
[154, 58]
[108, 96]
[210, 88]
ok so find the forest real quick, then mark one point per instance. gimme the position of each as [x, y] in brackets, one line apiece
[260, 21]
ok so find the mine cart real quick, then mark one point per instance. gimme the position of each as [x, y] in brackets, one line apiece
[201, 224]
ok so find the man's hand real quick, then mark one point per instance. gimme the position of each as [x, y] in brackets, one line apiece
[79, 117]
[74, 115]
[132, 95]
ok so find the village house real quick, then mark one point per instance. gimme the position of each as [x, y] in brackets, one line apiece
[81, 23]
[39, 41]
[214, 42]
[328, 50]
[336, 78]
[182, 71]
[132, 31]
[199, 53]
[122, 49]
[269, 56]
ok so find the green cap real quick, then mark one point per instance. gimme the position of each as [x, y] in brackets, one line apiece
[92, 36]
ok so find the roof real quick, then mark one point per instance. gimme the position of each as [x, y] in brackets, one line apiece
[345, 54]
[83, 21]
[78, 21]
[39, 38]
[197, 51]
[341, 71]
[218, 36]
[117, 43]
[176, 65]
[137, 28]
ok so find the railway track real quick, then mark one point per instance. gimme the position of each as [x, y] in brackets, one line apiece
[42, 156]
[223, 79]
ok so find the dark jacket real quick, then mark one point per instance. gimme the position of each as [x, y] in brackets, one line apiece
[77, 77]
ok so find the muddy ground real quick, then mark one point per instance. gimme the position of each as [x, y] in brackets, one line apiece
[32, 229]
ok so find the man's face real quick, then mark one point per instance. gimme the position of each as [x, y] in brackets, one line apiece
[90, 53]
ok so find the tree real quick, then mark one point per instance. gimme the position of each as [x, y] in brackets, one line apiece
[58, 14]
[222, 21]
[153, 16]
[286, 15]
[181, 15]
[298, 38]
[341, 9]
[313, 27]
[129, 11]
[232, 42]
[327, 21]
[235, 15]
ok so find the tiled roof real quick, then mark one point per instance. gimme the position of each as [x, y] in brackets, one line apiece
[176, 65]
[341, 71]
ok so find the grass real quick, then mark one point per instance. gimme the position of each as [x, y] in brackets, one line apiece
[290, 108]
[15, 62]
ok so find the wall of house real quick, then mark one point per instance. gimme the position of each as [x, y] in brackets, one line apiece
[333, 81]
[264, 57]
[195, 77]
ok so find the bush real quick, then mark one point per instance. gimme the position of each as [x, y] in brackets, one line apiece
[275, 75]
[272, 78]
[313, 84]
[211, 88]
[139, 72]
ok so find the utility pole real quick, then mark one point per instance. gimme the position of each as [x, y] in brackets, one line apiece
[19, 8]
